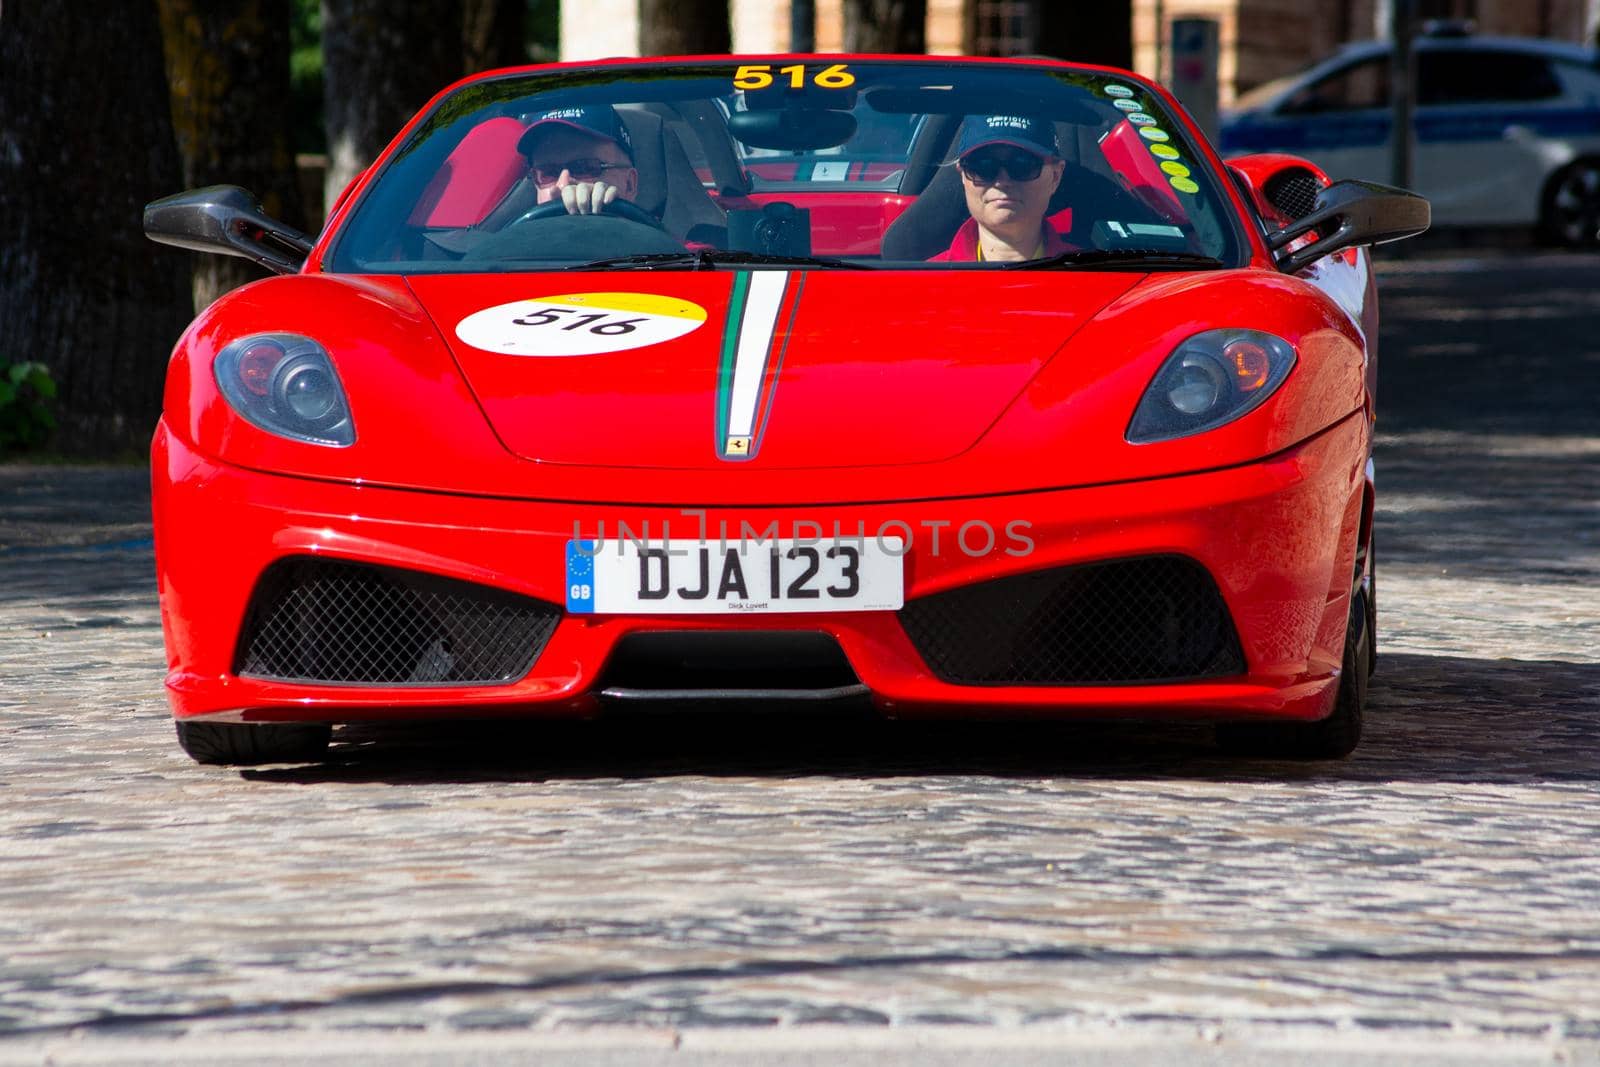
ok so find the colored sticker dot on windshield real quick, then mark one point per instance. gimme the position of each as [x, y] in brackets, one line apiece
[1154, 133]
[1177, 170]
[1184, 185]
[1139, 118]
[1126, 105]
[1118, 90]
[1165, 151]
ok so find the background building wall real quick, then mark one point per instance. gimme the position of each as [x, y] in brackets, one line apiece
[611, 27]
[595, 29]
[759, 27]
[944, 26]
[1260, 39]
[1264, 39]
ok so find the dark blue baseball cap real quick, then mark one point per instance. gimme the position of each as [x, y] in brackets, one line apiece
[1037, 136]
[598, 120]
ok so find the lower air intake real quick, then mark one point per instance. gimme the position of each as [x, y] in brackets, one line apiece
[1153, 619]
[330, 621]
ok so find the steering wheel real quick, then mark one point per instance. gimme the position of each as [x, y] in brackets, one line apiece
[622, 209]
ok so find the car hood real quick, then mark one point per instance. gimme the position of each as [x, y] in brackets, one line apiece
[683, 370]
[907, 363]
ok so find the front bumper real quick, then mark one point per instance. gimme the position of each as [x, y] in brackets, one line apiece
[1277, 537]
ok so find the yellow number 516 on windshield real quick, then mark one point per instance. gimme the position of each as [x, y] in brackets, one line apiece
[760, 76]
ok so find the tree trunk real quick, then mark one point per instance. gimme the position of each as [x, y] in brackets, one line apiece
[493, 34]
[1100, 33]
[85, 142]
[897, 26]
[1004, 27]
[381, 61]
[228, 66]
[684, 28]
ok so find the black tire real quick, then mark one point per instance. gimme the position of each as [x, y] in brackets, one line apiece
[231, 743]
[1569, 212]
[1332, 738]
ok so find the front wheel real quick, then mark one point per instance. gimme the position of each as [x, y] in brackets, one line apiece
[1332, 738]
[240, 743]
[1570, 213]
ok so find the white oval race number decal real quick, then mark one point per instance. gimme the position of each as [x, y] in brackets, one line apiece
[580, 324]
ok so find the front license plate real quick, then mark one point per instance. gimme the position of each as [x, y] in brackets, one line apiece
[731, 577]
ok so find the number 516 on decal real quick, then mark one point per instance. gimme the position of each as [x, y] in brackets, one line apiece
[760, 76]
[594, 320]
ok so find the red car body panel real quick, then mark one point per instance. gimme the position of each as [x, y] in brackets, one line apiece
[848, 395]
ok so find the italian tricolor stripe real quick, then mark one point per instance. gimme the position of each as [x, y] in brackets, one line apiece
[761, 311]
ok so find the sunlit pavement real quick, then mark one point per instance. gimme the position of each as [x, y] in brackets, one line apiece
[800, 891]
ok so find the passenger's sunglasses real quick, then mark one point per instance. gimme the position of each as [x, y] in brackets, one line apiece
[583, 170]
[986, 166]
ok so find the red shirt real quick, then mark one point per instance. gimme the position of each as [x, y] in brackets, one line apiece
[964, 249]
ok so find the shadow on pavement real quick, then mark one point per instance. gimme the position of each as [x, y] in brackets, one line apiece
[1518, 508]
[51, 506]
[1527, 721]
[1474, 348]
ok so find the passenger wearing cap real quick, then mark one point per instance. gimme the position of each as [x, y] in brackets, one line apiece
[1010, 167]
[581, 155]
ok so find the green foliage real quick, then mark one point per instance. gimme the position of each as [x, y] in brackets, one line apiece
[544, 30]
[305, 76]
[26, 390]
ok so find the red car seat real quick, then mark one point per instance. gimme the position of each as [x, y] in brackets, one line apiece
[476, 176]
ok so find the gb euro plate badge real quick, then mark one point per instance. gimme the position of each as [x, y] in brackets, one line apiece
[580, 324]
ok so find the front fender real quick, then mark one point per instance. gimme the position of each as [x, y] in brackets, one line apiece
[416, 422]
[1078, 408]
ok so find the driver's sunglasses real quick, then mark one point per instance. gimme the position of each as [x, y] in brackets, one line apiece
[583, 170]
[986, 166]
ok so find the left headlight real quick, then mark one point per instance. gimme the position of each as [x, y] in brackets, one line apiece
[1210, 379]
[286, 385]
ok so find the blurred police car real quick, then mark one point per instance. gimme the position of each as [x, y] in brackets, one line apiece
[1507, 129]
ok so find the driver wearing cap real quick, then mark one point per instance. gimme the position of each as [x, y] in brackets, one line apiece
[582, 155]
[1010, 167]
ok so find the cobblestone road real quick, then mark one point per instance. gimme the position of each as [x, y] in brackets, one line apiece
[1444, 883]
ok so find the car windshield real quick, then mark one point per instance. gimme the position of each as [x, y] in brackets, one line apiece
[832, 165]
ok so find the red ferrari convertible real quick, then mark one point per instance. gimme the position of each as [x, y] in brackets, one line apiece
[973, 388]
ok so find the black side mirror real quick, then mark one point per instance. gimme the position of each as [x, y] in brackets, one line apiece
[1350, 213]
[226, 219]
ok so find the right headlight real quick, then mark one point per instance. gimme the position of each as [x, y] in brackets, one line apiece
[286, 385]
[1210, 379]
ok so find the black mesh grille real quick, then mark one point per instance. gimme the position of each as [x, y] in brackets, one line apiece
[316, 620]
[1293, 192]
[1158, 618]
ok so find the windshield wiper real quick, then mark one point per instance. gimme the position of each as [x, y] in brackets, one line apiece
[711, 258]
[649, 261]
[1122, 257]
[737, 257]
